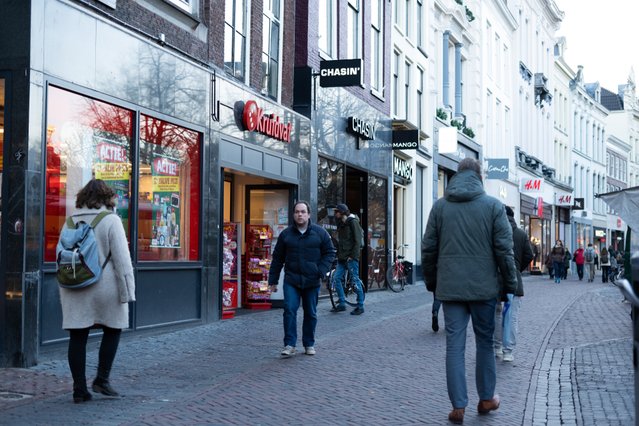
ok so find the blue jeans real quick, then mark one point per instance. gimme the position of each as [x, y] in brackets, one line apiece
[353, 271]
[456, 316]
[292, 296]
[507, 324]
[558, 270]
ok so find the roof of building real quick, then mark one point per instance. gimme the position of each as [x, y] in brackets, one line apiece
[611, 100]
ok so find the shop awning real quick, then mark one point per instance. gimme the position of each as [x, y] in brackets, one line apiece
[625, 203]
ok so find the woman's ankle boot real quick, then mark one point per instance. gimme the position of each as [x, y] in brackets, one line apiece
[102, 385]
[81, 393]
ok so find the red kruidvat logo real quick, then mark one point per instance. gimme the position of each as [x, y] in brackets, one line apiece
[254, 119]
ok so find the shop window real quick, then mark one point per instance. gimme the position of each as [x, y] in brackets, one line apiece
[330, 190]
[169, 194]
[86, 139]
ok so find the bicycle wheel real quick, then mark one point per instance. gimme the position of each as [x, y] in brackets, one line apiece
[332, 291]
[396, 279]
[350, 293]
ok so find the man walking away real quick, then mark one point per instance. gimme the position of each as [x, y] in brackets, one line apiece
[507, 317]
[578, 257]
[306, 252]
[589, 259]
[349, 233]
[468, 243]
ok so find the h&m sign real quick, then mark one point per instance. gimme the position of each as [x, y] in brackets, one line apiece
[564, 200]
[531, 185]
[340, 73]
[402, 169]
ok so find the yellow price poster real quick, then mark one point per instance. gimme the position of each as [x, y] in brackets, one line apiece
[166, 183]
[112, 171]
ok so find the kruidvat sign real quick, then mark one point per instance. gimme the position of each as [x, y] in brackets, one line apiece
[255, 120]
[405, 139]
[340, 73]
[497, 168]
[362, 129]
[528, 185]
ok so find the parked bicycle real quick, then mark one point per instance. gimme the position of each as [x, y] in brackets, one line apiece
[397, 274]
[377, 268]
[616, 274]
[350, 295]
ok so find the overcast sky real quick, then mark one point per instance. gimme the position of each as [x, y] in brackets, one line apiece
[603, 36]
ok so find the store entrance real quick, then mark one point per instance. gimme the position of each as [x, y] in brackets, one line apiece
[256, 210]
[355, 196]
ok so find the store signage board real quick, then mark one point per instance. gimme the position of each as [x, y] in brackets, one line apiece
[255, 120]
[563, 200]
[447, 141]
[579, 204]
[341, 73]
[402, 169]
[361, 128]
[405, 139]
[531, 185]
[497, 168]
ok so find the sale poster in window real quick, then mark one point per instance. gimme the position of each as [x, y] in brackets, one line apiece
[166, 201]
[112, 166]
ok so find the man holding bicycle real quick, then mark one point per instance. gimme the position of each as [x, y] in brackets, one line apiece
[349, 246]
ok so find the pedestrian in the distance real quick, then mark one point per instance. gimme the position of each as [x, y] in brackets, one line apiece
[105, 304]
[578, 258]
[349, 236]
[605, 265]
[507, 314]
[589, 259]
[306, 252]
[557, 257]
[468, 242]
[567, 259]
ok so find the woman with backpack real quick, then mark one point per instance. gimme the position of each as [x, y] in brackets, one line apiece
[105, 304]
[605, 264]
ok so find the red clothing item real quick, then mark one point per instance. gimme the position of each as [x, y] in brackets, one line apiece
[579, 256]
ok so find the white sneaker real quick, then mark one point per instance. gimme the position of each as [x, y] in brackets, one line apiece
[309, 350]
[508, 357]
[288, 351]
[499, 352]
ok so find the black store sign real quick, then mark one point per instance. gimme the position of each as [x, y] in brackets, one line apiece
[405, 139]
[344, 72]
[363, 129]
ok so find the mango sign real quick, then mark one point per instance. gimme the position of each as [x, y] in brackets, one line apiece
[112, 171]
[166, 183]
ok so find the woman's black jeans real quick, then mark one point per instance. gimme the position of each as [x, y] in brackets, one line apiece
[78, 352]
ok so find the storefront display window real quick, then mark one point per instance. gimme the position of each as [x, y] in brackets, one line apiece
[86, 139]
[2, 108]
[330, 190]
[169, 194]
[377, 257]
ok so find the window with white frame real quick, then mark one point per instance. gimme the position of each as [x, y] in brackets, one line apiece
[186, 5]
[489, 49]
[271, 54]
[396, 62]
[419, 15]
[407, 72]
[354, 30]
[327, 27]
[235, 31]
[377, 43]
[407, 18]
[419, 101]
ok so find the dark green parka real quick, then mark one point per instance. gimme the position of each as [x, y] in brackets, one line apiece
[467, 243]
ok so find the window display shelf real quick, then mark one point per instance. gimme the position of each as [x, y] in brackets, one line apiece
[256, 292]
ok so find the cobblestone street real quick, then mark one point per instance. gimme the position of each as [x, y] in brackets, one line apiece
[573, 365]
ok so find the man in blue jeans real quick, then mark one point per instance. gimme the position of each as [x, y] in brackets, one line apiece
[349, 247]
[306, 252]
[468, 242]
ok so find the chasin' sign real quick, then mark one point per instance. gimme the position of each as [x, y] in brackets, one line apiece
[255, 120]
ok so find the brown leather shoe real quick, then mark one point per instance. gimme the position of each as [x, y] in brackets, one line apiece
[485, 406]
[457, 416]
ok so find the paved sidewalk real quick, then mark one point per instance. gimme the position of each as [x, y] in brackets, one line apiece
[573, 365]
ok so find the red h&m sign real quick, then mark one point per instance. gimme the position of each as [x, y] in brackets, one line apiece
[564, 200]
[528, 185]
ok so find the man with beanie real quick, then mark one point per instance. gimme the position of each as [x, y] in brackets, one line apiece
[507, 315]
[349, 235]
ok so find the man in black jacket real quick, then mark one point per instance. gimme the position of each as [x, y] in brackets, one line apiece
[507, 316]
[306, 252]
